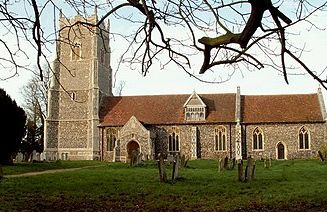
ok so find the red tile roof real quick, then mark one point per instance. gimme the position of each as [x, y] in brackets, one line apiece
[168, 109]
[281, 108]
[164, 109]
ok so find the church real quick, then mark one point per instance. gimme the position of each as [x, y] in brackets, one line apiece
[86, 122]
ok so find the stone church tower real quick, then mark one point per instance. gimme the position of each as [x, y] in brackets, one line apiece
[82, 76]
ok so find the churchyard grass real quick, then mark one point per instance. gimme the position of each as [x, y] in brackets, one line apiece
[288, 185]
[20, 168]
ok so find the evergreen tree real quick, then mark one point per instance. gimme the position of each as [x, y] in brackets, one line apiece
[12, 127]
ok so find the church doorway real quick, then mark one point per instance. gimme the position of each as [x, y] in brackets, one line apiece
[280, 151]
[132, 146]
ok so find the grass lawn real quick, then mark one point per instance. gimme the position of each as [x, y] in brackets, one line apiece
[288, 185]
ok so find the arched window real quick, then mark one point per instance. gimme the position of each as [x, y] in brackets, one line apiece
[111, 139]
[304, 138]
[173, 140]
[257, 139]
[220, 138]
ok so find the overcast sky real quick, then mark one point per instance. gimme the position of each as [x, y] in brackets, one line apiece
[172, 80]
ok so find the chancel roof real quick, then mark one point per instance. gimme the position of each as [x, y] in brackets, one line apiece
[281, 108]
[220, 108]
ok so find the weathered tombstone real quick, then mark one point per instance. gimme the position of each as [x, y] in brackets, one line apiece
[19, 157]
[175, 171]
[240, 171]
[34, 156]
[253, 175]
[162, 168]
[133, 159]
[248, 170]
[176, 165]
[139, 158]
[233, 163]
[321, 156]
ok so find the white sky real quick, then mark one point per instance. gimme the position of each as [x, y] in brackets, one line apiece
[175, 81]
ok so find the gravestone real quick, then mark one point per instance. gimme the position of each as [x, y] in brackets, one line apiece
[134, 157]
[233, 163]
[162, 168]
[19, 157]
[226, 163]
[321, 156]
[176, 164]
[240, 171]
[249, 172]
[139, 158]
[220, 164]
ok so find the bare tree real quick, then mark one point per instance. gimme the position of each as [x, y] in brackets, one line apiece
[35, 105]
[235, 34]
[119, 88]
[36, 98]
